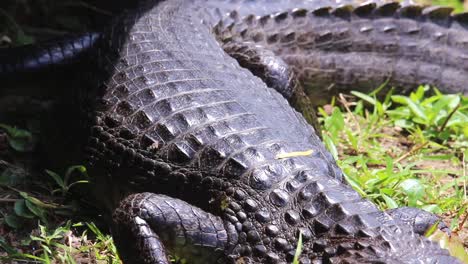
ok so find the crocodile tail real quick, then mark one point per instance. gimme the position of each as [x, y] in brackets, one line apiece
[43, 57]
[347, 48]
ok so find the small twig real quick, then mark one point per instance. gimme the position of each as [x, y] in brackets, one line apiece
[461, 224]
[420, 146]
[345, 103]
[45, 31]
[464, 176]
[448, 118]
[12, 188]
[411, 152]
[88, 6]
[6, 200]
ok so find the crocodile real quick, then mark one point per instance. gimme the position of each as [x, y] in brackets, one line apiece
[181, 111]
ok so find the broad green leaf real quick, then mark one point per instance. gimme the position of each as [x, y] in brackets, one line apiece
[57, 178]
[13, 221]
[8, 249]
[335, 123]
[86, 181]
[389, 165]
[364, 97]
[388, 98]
[19, 139]
[358, 109]
[352, 139]
[446, 102]
[400, 112]
[37, 201]
[78, 168]
[322, 112]
[95, 230]
[22, 210]
[418, 95]
[388, 191]
[432, 208]
[330, 146]
[379, 108]
[413, 188]
[39, 212]
[354, 183]
[416, 109]
[391, 204]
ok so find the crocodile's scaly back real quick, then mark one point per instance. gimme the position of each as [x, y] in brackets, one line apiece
[180, 117]
[201, 140]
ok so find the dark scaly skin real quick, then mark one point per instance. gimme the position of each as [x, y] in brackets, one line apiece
[403, 47]
[194, 138]
[31, 58]
[421, 220]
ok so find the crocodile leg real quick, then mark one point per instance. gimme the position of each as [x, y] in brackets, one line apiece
[276, 74]
[264, 64]
[36, 57]
[156, 223]
[420, 220]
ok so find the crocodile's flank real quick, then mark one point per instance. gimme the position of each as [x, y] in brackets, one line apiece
[182, 108]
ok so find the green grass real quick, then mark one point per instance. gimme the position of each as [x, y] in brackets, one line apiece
[60, 245]
[38, 212]
[405, 151]
[456, 4]
[39, 215]
[387, 152]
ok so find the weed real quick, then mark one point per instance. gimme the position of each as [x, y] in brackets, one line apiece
[298, 252]
[376, 163]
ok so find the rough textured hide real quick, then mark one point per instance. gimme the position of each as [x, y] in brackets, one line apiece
[187, 140]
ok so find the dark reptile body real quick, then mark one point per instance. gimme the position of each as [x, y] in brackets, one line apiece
[359, 50]
[175, 115]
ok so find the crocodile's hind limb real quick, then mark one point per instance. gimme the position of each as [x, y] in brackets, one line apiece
[158, 224]
[147, 224]
[276, 74]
